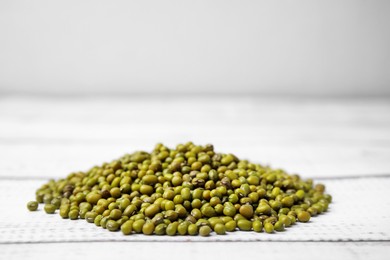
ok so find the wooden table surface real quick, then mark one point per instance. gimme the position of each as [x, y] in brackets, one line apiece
[344, 143]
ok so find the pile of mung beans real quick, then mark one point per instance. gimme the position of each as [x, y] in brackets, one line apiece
[189, 190]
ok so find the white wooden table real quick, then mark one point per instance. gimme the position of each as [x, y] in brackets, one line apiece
[344, 143]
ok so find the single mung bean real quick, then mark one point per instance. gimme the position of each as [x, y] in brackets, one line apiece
[32, 206]
[246, 211]
[192, 229]
[220, 229]
[64, 211]
[303, 216]
[115, 214]
[49, 208]
[287, 201]
[244, 224]
[93, 198]
[279, 226]
[90, 216]
[127, 227]
[183, 227]
[263, 209]
[148, 228]
[112, 225]
[172, 228]
[269, 228]
[73, 214]
[257, 226]
[285, 220]
[204, 231]
[98, 220]
[231, 225]
[160, 229]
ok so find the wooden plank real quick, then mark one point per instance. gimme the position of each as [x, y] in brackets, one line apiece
[316, 138]
[356, 202]
[48, 138]
[57, 159]
[199, 250]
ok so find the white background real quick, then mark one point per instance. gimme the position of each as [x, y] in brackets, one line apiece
[301, 47]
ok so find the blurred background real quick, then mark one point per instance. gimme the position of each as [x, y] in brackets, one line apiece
[303, 85]
[91, 47]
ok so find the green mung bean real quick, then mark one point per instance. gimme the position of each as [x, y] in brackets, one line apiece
[112, 225]
[32, 205]
[303, 216]
[49, 208]
[204, 231]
